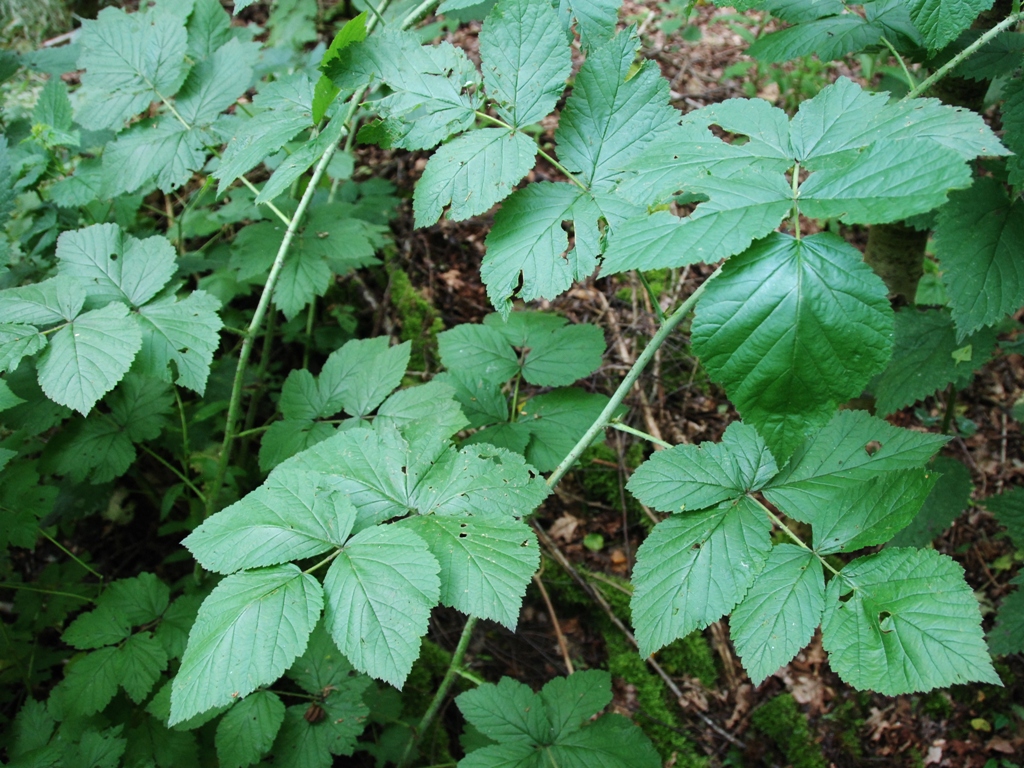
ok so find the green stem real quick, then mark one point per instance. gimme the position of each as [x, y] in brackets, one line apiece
[185, 448]
[308, 346]
[171, 468]
[561, 168]
[639, 433]
[417, 13]
[514, 416]
[235, 401]
[26, 588]
[189, 207]
[947, 417]
[903, 64]
[323, 562]
[277, 211]
[605, 418]
[654, 299]
[953, 63]
[253, 431]
[67, 552]
[796, 539]
[442, 692]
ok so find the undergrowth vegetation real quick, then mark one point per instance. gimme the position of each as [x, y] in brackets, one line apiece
[229, 509]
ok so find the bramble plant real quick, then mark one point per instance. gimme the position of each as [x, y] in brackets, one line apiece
[144, 268]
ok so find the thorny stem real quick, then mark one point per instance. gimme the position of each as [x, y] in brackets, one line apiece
[639, 433]
[903, 64]
[442, 692]
[953, 63]
[561, 168]
[605, 418]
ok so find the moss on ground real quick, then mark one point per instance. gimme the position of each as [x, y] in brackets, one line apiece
[782, 721]
[420, 322]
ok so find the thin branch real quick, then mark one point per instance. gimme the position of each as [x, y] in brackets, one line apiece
[562, 645]
[639, 433]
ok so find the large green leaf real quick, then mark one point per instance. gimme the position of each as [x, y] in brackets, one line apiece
[594, 20]
[852, 448]
[129, 60]
[553, 727]
[979, 236]
[163, 153]
[472, 173]
[435, 89]
[609, 119]
[89, 356]
[527, 241]
[485, 564]
[141, 659]
[694, 568]
[48, 302]
[525, 60]
[183, 332]
[247, 731]
[904, 620]
[780, 612]
[213, 85]
[926, 357]
[114, 266]
[685, 478]
[741, 208]
[791, 328]
[293, 515]
[872, 514]
[249, 630]
[888, 181]
[361, 374]
[829, 38]
[554, 422]
[1008, 508]
[380, 591]
[940, 21]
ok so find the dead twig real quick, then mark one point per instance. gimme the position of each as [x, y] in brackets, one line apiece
[562, 645]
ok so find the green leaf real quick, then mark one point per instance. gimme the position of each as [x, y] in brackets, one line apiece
[183, 332]
[563, 355]
[880, 508]
[888, 181]
[249, 630]
[96, 449]
[380, 591]
[485, 564]
[288, 437]
[694, 568]
[527, 241]
[284, 108]
[1008, 507]
[301, 744]
[138, 600]
[141, 659]
[829, 38]
[88, 356]
[553, 727]
[97, 628]
[780, 612]
[852, 448]
[1007, 636]
[17, 341]
[423, 412]
[978, 238]
[90, 683]
[472, 173]
[247, 731]
[478, 351]
[322, 665]
[213, 85]
[361, 374]
[480, 398]
[435, 89]
[49, 302]
[292, 516]
[902, 621]
[923, 359]
[950, 496]
[1012, 113]
[685, 478]
[53, 109]
[352, 31]
[741, 208]
[554, 422]
[209, 27]
[525, 60]
[130, 60]
[172, 632]
[595, 20]
[791, 328]
[940, 21]
[609, 119]
[299, 161]
[113, 266]
[162, 153]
